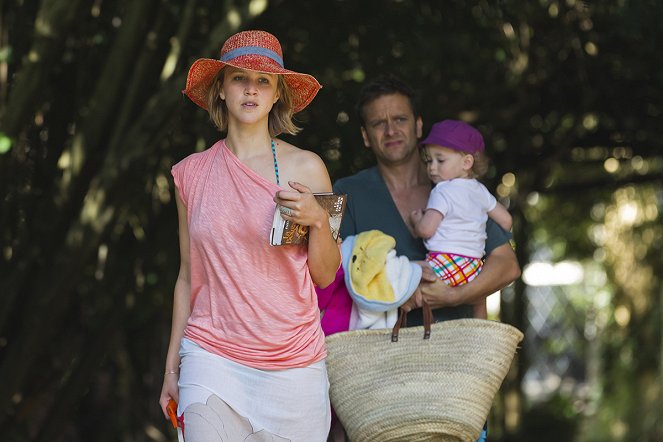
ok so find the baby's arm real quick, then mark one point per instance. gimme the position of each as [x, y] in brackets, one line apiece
[424, 223]
[501, 216]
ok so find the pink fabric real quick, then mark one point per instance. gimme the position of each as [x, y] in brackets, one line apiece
[250, 302]
[335, 305]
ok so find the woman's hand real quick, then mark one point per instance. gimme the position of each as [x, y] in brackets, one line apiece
[300, 206]
[169, 391]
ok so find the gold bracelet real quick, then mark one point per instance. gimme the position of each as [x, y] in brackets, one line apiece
[170, 372]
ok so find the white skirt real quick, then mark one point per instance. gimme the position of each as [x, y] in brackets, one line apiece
[292, 403]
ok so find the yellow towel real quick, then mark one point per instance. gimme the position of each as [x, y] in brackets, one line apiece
[367, 265]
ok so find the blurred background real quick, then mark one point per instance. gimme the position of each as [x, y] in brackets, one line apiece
[566, 93]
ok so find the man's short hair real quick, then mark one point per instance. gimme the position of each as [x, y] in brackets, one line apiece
[386, 84]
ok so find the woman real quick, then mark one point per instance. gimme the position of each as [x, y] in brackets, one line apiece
[246, 353]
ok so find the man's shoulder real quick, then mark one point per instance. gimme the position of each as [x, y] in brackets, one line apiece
[358, 180]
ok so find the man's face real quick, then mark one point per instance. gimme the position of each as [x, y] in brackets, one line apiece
[391, 130]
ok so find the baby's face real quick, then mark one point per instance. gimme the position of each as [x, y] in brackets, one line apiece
[443, 164]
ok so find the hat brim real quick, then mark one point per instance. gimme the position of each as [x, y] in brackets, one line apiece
[304, 87]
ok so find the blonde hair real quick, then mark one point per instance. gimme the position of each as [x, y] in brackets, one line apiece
[480, 166]
[280, 116]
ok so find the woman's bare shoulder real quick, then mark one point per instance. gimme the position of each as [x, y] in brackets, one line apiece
[303, 166]
[300, 157]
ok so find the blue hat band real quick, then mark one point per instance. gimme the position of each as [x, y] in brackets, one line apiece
[252, 50]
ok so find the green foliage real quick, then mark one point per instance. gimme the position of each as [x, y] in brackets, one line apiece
[5, 143]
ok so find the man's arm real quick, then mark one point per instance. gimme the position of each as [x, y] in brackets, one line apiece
[500, 269]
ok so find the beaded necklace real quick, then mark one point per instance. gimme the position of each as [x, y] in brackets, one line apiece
[276, 164]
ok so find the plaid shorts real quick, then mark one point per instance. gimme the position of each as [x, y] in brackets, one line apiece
[454, 269]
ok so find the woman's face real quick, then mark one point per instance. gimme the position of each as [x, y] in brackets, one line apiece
[249, 95]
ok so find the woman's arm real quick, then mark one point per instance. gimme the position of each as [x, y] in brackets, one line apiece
[324, 256]
[181, 312]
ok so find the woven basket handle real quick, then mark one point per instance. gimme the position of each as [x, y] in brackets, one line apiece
[402, 322]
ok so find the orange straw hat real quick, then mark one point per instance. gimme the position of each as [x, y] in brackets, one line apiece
[257, 51]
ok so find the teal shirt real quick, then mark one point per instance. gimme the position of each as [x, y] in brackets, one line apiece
[370, 206]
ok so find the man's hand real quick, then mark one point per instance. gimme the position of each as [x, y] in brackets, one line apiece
[438, 294]
[427, 274]
[500, 269]
[414, 302]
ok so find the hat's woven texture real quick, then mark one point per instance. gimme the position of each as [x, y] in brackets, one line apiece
[439, 389]
[246, 50]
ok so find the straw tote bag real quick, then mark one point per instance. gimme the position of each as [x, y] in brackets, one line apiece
[429, 383]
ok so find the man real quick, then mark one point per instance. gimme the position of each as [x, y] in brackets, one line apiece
[382, 197]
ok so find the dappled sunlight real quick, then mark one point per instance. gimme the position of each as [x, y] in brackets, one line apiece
[627, 214]
[161, 189]
[171, 60]
[507, 186]
[611, 165]
[257, 7]
[102, 255]
[518, 44]
[7, 252]
[622, 315]
[234, 18]
[547, 274]
[628, 230]
[590, 121]
[533, 198]
[509, 179]
[95, 214]
[137, 228]
[591, 49]
[43, 28]
[70, 162]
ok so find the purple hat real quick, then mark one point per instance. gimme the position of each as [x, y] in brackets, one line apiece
[456, 135]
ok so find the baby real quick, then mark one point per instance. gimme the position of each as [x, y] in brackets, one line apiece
[453, 225]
